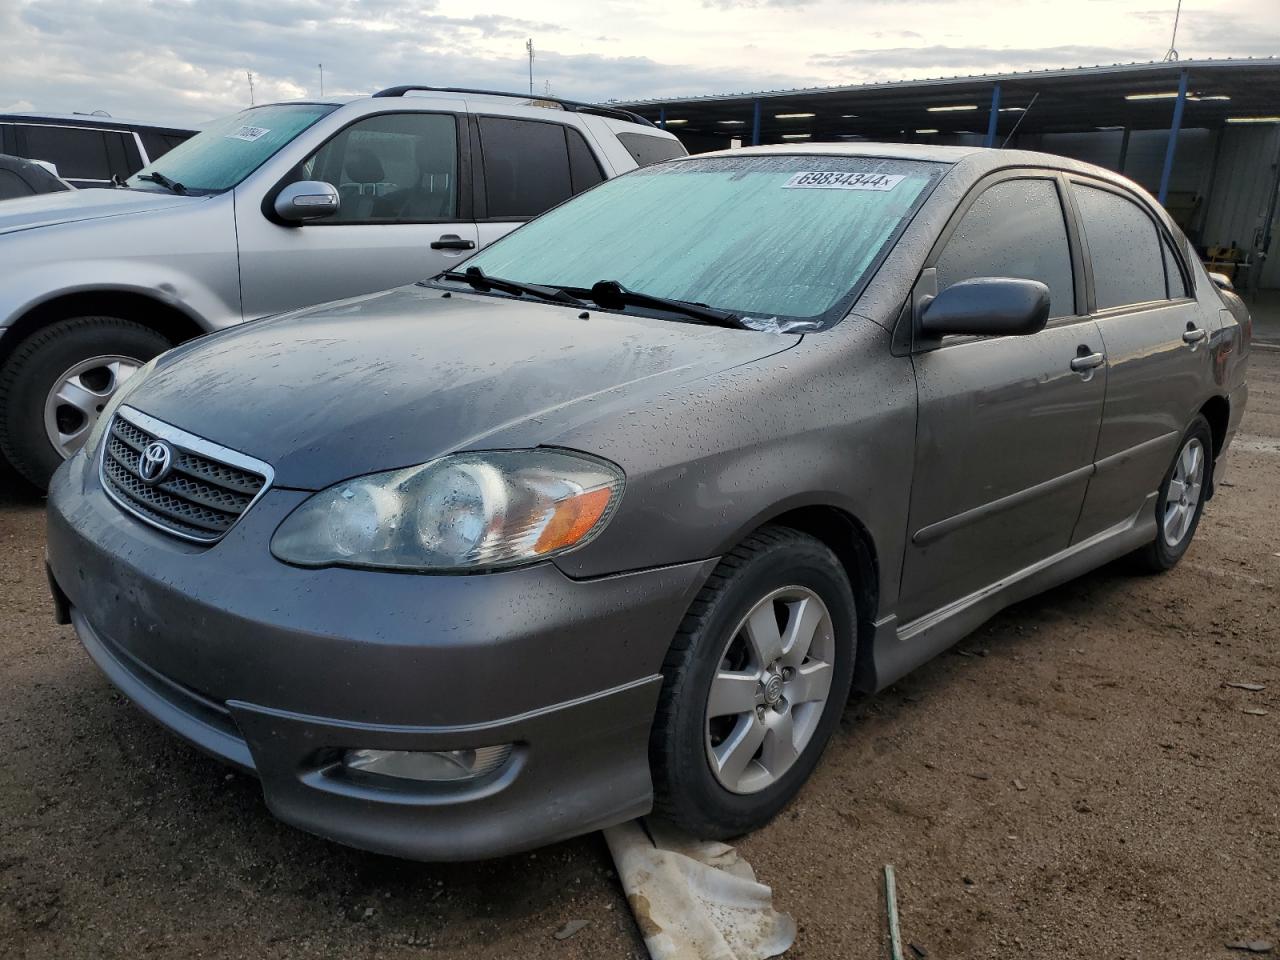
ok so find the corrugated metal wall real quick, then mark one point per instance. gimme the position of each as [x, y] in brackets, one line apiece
[1241, 197]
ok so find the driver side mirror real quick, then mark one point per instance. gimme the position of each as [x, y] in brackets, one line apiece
[307, 200]
[1221, 281]
[987, 307]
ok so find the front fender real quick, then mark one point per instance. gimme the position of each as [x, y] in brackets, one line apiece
[184, 258]
[830, 422]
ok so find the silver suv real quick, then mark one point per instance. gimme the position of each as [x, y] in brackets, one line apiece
[278, 207]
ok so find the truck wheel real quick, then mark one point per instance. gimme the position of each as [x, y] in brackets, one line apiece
[56, 382]
[754, 684]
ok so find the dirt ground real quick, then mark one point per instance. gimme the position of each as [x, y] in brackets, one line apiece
[1075, 780]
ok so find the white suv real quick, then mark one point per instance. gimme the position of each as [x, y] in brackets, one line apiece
[278, 207]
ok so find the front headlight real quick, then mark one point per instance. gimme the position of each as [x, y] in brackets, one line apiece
[109, 410]
[464, 512]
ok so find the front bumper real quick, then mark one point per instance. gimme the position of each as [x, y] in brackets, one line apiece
[277, 670]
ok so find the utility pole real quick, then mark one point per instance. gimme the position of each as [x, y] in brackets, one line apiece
[528, 45]
[249, 74]
[321, 66]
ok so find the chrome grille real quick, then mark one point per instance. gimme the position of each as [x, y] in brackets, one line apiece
[208, 487]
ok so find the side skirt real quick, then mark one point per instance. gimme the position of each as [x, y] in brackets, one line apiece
[897, 650]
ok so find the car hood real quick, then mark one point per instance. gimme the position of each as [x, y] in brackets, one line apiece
[401, 377]
[49, 209]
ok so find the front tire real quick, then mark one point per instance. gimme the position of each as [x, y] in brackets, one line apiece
[1181, 502]
[755, 682]
[56, 382]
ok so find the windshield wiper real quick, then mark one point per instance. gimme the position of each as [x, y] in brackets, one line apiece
[612, 295]
[155, 176]
[481, 281]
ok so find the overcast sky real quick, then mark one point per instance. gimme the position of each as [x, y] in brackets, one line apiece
[184, 61]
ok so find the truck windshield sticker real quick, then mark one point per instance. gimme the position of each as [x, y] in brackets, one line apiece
[843, 180]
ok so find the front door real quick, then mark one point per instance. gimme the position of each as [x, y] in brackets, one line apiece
[1156, 338]
[404, 216]
[1006, 426]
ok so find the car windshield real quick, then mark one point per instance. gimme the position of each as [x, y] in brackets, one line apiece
[230, 149]
[789, 236]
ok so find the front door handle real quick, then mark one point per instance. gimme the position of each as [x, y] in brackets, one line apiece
[1193, 335]
[451, 241]
[1087, 361]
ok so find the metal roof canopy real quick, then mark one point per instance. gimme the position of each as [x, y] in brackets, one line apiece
[1066, 100]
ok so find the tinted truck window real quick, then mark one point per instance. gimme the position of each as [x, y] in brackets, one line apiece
[1014, 229]
[1128, 262]
[79, 154]
[526, 167]
[645, 149]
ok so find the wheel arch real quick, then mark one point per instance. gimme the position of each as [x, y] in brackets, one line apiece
[850, 540]
[1217, 410]
[168, 320]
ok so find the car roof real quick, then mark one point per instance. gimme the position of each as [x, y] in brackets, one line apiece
[93, 120]
[971, 162]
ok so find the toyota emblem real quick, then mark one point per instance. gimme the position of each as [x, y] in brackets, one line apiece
[154, 464]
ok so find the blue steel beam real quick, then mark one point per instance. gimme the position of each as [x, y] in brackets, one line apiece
[995, 115]
[755, 126]
[662, 117]
[1172, 148]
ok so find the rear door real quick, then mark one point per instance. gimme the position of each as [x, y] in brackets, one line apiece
[1006, 426]
[405, 215]
[1156, 339]
[525, 168]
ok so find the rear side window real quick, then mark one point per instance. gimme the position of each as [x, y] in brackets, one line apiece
[1014, 229]
[1176, 282]
[526, 166]
[1128, 262]
[78, 153]
[584, 170]
[646, 149]
[13, 186]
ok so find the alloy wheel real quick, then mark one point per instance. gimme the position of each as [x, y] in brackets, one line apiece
[78, 396]
[1183, 497]
[770, 689]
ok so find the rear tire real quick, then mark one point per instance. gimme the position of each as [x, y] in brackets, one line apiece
[720, 774]
[1181, 502]
[94, 354]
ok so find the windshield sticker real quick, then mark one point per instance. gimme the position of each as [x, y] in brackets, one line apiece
[836, 180]
[251, 134]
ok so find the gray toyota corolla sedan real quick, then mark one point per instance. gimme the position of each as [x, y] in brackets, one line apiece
[613, 517]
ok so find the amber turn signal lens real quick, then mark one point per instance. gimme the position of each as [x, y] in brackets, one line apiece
[573, 519]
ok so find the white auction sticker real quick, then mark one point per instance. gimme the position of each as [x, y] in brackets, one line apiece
[249, 133]
[843, 180]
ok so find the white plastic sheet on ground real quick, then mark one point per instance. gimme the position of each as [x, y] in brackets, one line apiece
[693, 899]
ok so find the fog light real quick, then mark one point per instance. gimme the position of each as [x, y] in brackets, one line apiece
[436, 765]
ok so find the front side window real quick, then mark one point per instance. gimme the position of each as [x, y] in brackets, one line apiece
[78, 153]
[1124, 247]
[392, 168]
[1014, 229]
[228, 150]
[771, 236]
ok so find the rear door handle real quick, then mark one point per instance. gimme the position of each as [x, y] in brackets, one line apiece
[451, 241]
[1087, 361]
[1193, 335]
